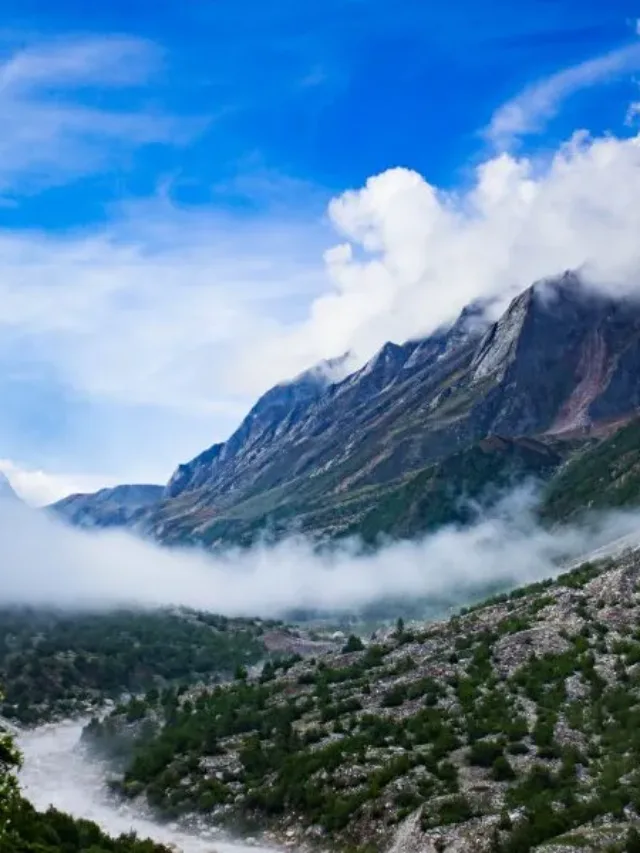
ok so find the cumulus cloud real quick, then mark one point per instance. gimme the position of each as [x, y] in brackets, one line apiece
[45, 563]
[414, 255]
[192, 311]
[39, 488]
[532, 108]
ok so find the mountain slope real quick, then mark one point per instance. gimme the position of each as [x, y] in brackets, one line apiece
[602, 477]
[319, 454]
[561, 360]
[512, 726]
[453, 490]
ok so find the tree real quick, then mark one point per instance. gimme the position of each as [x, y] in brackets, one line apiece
[10, 761]
[632, 842]
[353, 644]
[501, 770]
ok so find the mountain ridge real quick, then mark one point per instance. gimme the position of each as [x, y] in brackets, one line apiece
[559, 364]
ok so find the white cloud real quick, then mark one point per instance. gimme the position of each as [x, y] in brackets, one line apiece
[633, 113]
[196, 313]
[529, 111]
[47, 563]
[413, 255]
[193, 312]
[39, 488]
[155, 309]
[52, 127]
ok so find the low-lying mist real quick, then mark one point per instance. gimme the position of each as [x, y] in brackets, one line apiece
[45, 563]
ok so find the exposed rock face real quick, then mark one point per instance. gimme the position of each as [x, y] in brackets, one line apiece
[273, 416]
[117, 507]
[561, 359]
[317, 453]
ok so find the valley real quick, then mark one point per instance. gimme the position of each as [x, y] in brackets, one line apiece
[57, 773]
[506, 728]
[480, 715]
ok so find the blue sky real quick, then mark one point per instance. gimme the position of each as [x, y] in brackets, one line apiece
[167, 173]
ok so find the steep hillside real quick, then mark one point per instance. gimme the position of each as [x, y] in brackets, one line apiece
[512, 727]
[327, 457]
[116, 507]
[452, 491]
[559, 361]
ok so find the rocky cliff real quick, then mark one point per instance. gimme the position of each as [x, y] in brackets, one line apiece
[561, 362]
[318, 454]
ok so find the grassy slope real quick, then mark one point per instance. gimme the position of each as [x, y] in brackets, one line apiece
[602, 477]
[450, 491]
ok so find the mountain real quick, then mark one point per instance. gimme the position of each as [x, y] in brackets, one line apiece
[330, 455]
[116, 507]
[276, 412]
[601, 476]
[560, 364]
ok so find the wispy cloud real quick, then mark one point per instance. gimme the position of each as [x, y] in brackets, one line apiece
[154, 309]
[529, 111]
[54, 127]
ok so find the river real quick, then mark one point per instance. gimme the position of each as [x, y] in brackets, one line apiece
[57, 772]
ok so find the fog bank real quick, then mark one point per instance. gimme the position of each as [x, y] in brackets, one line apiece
[47, 563]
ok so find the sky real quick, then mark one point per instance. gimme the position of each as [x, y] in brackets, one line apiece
[198, 200]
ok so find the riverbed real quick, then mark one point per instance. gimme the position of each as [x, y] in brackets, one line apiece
[58, 772]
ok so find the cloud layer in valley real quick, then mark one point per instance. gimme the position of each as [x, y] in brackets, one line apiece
[46, 563]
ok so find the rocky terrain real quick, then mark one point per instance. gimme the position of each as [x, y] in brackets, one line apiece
[513, 726]
[557, 372]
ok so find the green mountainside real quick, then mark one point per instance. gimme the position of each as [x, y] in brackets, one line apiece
[55, 664]
[606, 476]
[510, 726]
[451, 491]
